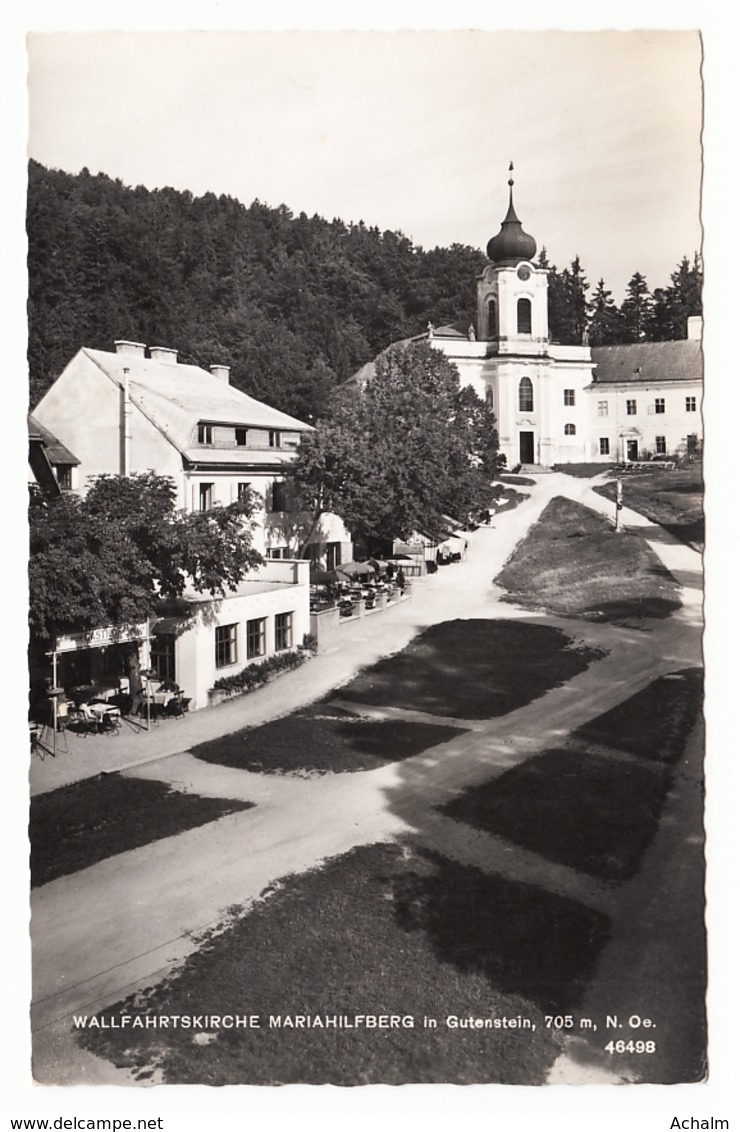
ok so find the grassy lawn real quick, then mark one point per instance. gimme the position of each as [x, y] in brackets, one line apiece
[653, 723]
[508, 499]
[522, 481]
[573, 564]
[581, 810]
[79, 825]
[583, 471]
[594, 813]
[382, 930]
[673, 499]
[322, 738]
[472, 669]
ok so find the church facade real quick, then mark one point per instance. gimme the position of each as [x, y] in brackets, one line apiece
[563, 404]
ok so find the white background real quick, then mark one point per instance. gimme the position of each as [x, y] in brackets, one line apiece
[505, 1107]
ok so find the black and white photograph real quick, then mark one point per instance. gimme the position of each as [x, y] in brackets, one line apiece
[366, 527]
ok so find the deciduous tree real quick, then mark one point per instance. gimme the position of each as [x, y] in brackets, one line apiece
[407, 451]
[112, 557]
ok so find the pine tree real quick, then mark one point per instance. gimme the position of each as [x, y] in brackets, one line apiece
[604, 324]
[636, 309]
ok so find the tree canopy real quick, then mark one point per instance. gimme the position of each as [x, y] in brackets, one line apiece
[404, 454]
[112, 557]
[643, 316]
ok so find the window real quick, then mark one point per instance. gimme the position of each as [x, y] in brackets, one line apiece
[205, 434]
[603, 408]
[492, 326]
[333, 555]
[205, 496]
[243, 492]
[64, 474]
[526, 396]
[276, 496]
[240, 436]
[632, 408]
[569, 396]
[225, 645]
[255, 638]
[660, 447]
[523, 316]
[690, 405]
[570, 430]
[603, 446]
[163, 656]
[283, 631]
[274, 439]
[660, 404]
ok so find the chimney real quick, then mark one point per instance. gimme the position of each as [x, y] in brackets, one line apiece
[124, 347]
[221, 372]
[694, 326]
[163, 354]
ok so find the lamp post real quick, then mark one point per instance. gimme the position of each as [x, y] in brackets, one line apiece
[148, 675]
[618, 518]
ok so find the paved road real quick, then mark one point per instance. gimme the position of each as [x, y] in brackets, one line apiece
[122, 923]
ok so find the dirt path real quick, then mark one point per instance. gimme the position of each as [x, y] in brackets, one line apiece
[122, 923]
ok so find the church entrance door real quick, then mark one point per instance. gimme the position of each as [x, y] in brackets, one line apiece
[526, 447]
[631, 449]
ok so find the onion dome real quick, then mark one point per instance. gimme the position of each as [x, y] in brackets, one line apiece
[512, 244]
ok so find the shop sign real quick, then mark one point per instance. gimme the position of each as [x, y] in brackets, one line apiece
[101, 638]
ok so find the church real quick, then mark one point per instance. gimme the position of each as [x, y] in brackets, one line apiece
[564, 404]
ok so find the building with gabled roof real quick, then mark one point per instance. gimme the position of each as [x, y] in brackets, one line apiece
[129, 411]
[646, 398]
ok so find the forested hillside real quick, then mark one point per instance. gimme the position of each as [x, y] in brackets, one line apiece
[294, 304]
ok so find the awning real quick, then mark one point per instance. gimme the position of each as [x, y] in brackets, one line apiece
[171, 626]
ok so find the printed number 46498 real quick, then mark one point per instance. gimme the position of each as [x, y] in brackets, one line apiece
[630, 1047]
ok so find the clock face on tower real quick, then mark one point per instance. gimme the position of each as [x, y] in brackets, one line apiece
[524, 273]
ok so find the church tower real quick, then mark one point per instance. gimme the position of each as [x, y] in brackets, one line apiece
[512, 292]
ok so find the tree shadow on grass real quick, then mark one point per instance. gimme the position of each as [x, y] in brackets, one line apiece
[323, 738]
[585, 811]
[631, 609]
[523, 939]
[472, 669]
[654, 722]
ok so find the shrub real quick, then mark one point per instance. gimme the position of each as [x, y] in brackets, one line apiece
[254, 675]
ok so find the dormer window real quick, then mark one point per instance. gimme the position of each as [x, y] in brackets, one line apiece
[240, 436]
[205, 434]
[274, 439]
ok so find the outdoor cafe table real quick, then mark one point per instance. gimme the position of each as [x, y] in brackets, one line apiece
[100, 710]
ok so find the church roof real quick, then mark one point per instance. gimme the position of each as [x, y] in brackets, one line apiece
[452, 330]
[512, 244]
[640, 362]
[367, 372]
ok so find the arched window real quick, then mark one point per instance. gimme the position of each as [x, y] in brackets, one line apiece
[570, 430]
[523, 316]
[526, 396]
[489, 397]
[492, 320]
